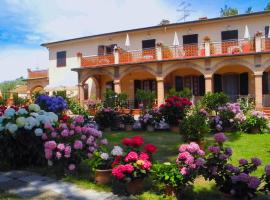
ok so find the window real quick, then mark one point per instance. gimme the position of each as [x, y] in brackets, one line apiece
[190, 39]
[104, 50]
[61, 58]
[229, 35]
[266, 31]
[148, 44]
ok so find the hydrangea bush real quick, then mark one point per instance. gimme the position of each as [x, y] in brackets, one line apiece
[20, 135]
[70, 142]
[174, 109]
[107, 118]
[255, 122]
[56, 104]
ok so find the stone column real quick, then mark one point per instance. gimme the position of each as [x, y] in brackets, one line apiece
[207, 46]
[258, 89]
[117, 86]
[159, 51]
[258, 42]
[160, 90]
[81, 94]
[208, 83]
[79, 59]
[116, 55]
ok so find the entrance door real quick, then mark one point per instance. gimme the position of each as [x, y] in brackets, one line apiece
[231, 86]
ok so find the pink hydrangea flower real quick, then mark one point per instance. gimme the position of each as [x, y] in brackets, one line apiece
[61, 147]
[78, 144]
[58, 155]
[183, 148]
[50, 145]
[132, 156]
[129, 168]
[71, 167]
[184, 171]
[65, 133]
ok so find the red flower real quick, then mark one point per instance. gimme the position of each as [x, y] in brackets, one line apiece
[137, 141]
[150, 148]
[127, 141]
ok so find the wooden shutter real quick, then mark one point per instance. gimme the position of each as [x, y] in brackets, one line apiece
[265, 82]
[244, 83]
[61, 58]
[178, 83]
[217, 83]
[266, 31]
[201, 85]
[101, 50]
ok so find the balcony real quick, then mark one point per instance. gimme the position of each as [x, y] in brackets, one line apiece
[163, 53]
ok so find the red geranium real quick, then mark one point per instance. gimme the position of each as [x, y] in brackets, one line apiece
[150, 148]
[137, 141]
[127, 141]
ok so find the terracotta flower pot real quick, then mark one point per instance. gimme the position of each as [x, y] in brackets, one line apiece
[135, 186]
[128, 127]
[126, 111]
[103, 176]
[92, 111]
[174, 129]
[254, 130]
[169, 190]
[136, 111]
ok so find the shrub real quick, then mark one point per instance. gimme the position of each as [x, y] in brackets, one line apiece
[186, 92]
[114, 100]
[69, 143]
[246, 104]
[234, 180]
[195, 125]
[106, 118]
[127, 119]
[20, 135]
[76, 108]
[212, 101]
[256, 121]
[174, 109]
[229, 117]
[146, 98]
[55, 104]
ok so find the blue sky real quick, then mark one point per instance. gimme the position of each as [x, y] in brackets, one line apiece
[25, 24]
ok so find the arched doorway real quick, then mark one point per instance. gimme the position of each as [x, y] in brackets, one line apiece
[136, 80]
[36, 89]
[234, 80]
[185, 78]
[266, 87]
[95, 86]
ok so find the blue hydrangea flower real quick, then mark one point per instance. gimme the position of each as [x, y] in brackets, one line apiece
[12, 128]
[38, 132]
[22, 111]
[9, 113]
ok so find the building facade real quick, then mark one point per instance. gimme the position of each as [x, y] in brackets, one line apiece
[229, 54]
[36, 81]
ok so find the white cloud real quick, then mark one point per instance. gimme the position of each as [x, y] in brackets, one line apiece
[14, 61]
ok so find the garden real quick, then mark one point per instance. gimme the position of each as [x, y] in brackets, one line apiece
[211, 150]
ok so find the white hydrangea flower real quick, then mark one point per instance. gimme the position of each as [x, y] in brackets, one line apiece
[34, 107]
[117, 151]
[22, 111]
[20, 121]
[38, 132]
[104, 156]
[9, 113]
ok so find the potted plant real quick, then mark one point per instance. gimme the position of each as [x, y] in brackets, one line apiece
[127, 120]
[146, 98]
[101, 163]
[167, 174]
[174, 109]
[256, 122]
[106, 118]
[195, 126]
[233, 181]
[150, 119]
[135, 164]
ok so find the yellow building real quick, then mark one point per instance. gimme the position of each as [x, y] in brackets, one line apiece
[228, 54]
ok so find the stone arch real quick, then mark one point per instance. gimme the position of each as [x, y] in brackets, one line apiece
[35, 87]
[265, 66]
[137, 68]
[83, 76]
[177, 66]
[224, 63]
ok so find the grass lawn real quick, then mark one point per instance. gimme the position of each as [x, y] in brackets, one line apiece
[243, 145]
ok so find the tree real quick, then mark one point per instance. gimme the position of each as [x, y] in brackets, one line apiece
[249, 10]
[228, 11]
[267, 6]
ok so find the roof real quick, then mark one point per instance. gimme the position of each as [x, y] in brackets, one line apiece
[35, 74]
[200, 21]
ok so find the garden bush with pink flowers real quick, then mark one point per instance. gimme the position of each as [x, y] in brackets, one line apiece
[70, 142]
